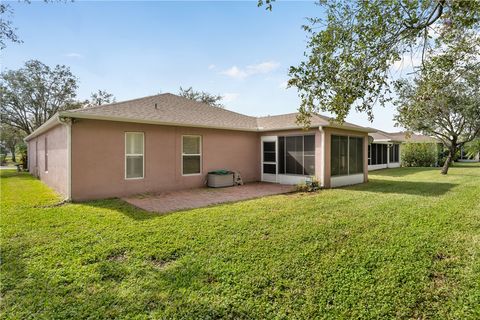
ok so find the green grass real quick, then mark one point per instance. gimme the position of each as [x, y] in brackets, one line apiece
[405, 245]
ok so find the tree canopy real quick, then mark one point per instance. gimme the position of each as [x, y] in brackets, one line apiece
[444, 99]
[201, 96]
[34, 93]
[100, 97]
[351, 48]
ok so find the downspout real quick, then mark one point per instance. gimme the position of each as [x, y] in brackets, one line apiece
[68, 123]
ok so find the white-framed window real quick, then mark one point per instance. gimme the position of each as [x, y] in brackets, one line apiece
[134, 155]
[46, 154]
[191, 155]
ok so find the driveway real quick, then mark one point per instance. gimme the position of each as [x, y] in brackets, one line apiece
[202, 197]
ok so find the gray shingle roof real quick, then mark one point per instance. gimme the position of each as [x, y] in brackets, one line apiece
[170, 109]
[401, 136]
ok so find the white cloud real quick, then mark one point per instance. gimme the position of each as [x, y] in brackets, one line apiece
[211, 67]
[235, 72]
[74, 55]
[230, 96]
[253, 69]
[407, 62]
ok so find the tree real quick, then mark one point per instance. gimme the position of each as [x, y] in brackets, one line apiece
[7, 30]
[201, 96]
[444, 100]
[34, 93]
[350, 51]
[473, 148]
[10, 137]
[100, 97]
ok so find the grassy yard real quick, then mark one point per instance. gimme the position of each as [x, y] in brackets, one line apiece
[405, 245]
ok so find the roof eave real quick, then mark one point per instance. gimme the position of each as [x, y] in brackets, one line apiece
[172, 124]
[50, 123]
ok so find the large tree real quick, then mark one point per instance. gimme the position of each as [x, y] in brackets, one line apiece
[201, 96]
[100, 97]
[352, 46]
[10, 137]
[444, 99]
[34, 93]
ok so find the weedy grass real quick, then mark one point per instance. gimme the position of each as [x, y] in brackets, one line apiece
[404, 245]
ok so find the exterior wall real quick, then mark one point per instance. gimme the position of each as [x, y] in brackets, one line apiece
[98, 158]
[56, 176]
[332, 182]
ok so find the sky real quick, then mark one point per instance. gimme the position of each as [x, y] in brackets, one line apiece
[135, 49]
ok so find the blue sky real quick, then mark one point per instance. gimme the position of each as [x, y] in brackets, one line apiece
[134, 49]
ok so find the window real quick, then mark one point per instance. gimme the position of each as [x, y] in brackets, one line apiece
[191, 155]
[36, 154]
[134, 154]
[346, 155]
[296, 155]
[46, 154]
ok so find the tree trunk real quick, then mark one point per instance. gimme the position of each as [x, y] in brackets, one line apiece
[12, 150]
[446, 165]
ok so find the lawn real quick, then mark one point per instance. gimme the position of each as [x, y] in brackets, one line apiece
[405, 245]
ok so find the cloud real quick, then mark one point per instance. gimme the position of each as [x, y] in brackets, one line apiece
[235, 72]
[407, 62]
[74, 55]
[211, 67]
[250, 70]
[230, 96]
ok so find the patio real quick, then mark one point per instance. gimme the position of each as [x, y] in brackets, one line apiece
[202, 197]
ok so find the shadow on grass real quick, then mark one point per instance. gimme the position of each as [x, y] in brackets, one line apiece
[122, 207]
[402, 172]
[427, 189]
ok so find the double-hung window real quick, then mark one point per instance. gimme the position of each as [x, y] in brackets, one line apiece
[134, 155]
[191, 155]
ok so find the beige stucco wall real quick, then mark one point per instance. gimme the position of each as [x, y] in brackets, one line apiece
[328, 135]
[98, 158]
[56, 176]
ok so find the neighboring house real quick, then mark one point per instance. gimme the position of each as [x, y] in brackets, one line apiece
[384, 151]
[464, 158]
[166, 142]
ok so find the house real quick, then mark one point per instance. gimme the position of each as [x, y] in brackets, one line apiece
[465, 158]
[166, 142]
[384, 151]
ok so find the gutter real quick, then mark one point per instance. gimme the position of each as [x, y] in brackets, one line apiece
[49, 124]
[176, 124]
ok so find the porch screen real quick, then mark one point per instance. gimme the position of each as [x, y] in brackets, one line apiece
[346, 155]
[394, 153]
[296, 155]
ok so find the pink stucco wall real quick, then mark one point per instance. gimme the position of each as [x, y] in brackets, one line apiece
[98, 157]
[56, 175]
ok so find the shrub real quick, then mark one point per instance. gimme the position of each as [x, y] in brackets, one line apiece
[3, 159]
[310, 185]
[419, 155]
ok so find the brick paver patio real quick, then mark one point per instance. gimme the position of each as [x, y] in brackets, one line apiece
[202, 197]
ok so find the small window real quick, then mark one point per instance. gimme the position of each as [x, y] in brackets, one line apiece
[134, 154]
[36, 154]
[191, 155]
[46, 154]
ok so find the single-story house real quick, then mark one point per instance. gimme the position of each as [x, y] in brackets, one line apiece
[166, 142]
[384, 151]
[466, 158]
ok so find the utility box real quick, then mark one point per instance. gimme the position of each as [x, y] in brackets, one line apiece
[220, 179]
